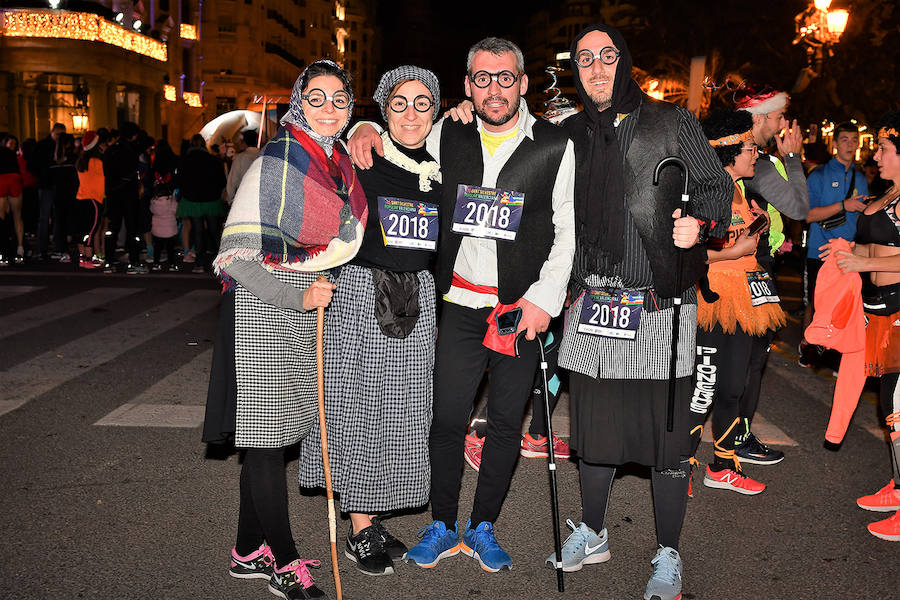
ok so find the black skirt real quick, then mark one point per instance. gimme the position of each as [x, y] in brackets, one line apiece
[617, 421]
[221, 398]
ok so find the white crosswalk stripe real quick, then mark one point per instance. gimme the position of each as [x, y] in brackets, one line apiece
[8, 291]
[51, 369]
[177, 400]
[59, 309]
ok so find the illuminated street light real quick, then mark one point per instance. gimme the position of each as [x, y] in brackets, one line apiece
[837, 23]
[119, 17]
[137, 24]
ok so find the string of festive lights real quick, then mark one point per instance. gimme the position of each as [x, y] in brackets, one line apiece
[192, 99]
[62, 24]
[188, 32]
[169, 93]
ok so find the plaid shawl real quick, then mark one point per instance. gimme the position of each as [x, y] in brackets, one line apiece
[289, 212]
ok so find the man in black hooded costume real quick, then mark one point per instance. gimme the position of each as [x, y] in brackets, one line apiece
[617, 341]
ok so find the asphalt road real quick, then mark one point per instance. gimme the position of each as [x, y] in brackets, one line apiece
[109, 493]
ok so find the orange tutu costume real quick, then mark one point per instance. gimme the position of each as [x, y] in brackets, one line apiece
[728, 279]
[734, 307]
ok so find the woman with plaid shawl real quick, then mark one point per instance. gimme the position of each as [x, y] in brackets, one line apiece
[299, 212]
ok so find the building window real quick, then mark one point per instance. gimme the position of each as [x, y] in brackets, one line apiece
[224, 104]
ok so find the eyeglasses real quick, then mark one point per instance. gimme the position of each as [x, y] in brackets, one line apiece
[316, 98]
[421, 103]
[608, 55]
[505, 79]
[750, 148]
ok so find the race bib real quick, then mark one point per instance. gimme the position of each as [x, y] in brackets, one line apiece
[762, 288]
[611, 313]
[408, 224]
[487, 212]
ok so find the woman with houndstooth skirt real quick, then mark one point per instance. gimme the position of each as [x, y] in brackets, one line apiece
[380, 333]
[299, 212]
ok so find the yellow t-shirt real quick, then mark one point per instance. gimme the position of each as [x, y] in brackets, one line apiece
[492, 141]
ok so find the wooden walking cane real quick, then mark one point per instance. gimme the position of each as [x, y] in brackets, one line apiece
[320, 373]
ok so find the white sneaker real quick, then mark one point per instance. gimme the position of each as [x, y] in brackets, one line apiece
[584, 546]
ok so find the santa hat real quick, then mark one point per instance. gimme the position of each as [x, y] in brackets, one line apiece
[760, 100]
[89, 140]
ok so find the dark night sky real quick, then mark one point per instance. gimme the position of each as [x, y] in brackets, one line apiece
[752, 38]
[437, 33]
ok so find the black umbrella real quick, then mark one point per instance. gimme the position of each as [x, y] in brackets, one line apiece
[673, 359]
[551, 464]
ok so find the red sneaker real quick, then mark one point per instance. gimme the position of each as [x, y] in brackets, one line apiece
[474, 444]
[536, 447]
[728, 479]
[889, 529]
[887, 499]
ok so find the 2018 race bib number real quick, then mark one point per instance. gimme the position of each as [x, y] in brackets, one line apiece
[762, 288]
[487, 212]
[408, 224]
[611, 313]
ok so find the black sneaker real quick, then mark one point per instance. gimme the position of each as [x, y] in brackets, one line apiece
[366, 549]
[394, 547]
[753, 451]
[293, 581]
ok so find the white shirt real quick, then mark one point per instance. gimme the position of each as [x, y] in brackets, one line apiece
[476, 260]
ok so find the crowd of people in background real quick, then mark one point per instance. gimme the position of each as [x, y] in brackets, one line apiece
[117, 199]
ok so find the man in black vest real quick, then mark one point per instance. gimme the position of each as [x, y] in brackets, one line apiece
[504, 258]
[618, 337]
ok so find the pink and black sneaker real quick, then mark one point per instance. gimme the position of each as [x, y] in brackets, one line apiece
[293, 581]
[259, 564]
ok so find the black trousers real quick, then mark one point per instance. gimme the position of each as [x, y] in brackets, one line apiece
[123, 204]
[460, 361]
[722, 369]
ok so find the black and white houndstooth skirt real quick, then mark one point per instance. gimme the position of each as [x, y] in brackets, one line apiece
[378, 397]
[275, 359]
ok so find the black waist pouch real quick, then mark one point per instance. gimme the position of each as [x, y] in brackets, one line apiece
[396, 302]
[881, 300]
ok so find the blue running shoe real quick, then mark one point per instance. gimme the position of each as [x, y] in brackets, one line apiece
[665, 583]
[437, 542]
[480, 544]
[584, 546]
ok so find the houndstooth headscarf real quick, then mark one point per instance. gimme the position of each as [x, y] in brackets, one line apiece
[295, 115]
[407, 73]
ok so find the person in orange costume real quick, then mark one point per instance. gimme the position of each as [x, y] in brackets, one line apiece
[738, 304]
[877, 252]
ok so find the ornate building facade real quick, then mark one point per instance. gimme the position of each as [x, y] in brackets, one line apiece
[169, 65]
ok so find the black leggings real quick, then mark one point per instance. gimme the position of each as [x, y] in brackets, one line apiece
[164, 244]
[669, 498]
[263, 515]
[722, 378]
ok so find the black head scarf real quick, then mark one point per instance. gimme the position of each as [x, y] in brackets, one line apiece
[600, 210]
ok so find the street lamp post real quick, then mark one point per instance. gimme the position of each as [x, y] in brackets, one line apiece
[819, 29]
